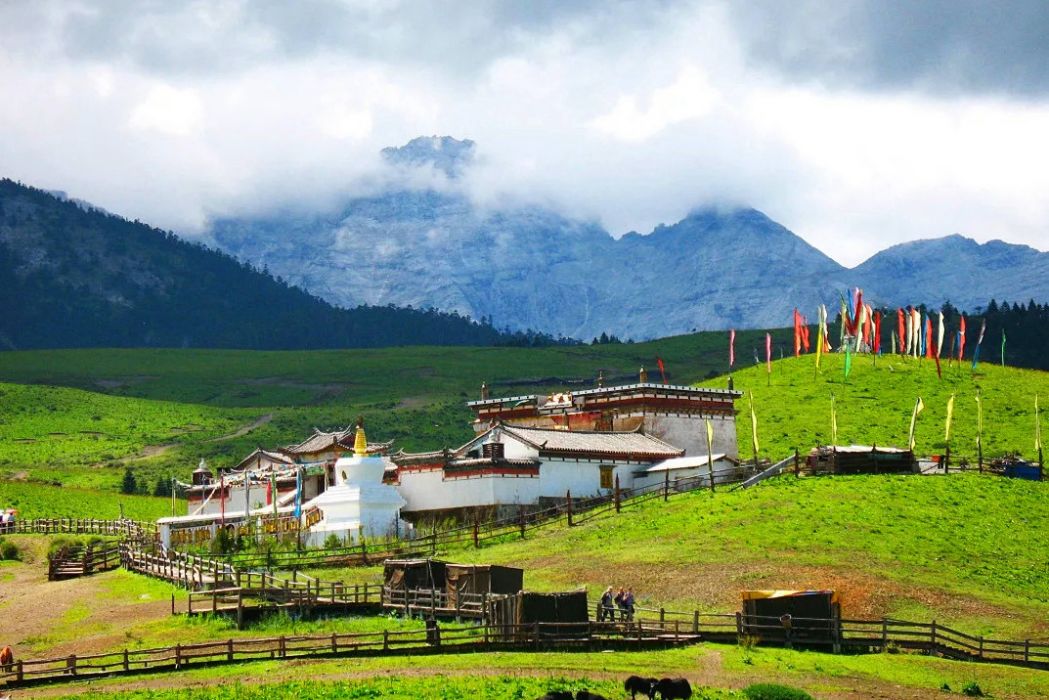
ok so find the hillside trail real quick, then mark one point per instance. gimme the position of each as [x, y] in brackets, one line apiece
[244, 430]
[31, 606]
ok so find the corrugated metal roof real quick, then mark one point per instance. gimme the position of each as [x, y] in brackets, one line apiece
[586, 442]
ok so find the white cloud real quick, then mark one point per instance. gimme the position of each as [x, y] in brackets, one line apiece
[631, 114]
[167, 110]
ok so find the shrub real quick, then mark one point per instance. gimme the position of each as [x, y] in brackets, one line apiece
[972, 689]
[9, 550]
[332, 541]
[772, 691]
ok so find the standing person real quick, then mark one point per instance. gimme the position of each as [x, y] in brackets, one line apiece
[621, 603]
[628, 603]
[605, 611]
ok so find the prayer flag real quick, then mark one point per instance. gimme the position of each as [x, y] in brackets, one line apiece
[950, 413]
[979, 419]
[919, 407]
[731, 348]
[768, 353]
[961, 339]
[833, 422]
[877, 333]
[821, 323]
[901, 328]
[754, 425]
[1003, 347]
[797, 333]
[927, 344]
[979, 342]
[1037, 427]
[298, 492]
[848, 361]
[710, 451]
[662, 369]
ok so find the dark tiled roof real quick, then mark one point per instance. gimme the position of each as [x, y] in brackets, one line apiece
[577, 442]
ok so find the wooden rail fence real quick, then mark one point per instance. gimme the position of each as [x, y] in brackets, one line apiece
[854, 635]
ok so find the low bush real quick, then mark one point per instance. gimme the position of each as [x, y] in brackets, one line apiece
[9, 550]
[772, 691]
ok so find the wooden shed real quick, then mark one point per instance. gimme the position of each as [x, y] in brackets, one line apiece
[404, 579]
[468, 584]
[792, 616]
[860, 459]
[513, 616]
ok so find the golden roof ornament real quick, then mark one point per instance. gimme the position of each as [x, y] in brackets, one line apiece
[360, 442]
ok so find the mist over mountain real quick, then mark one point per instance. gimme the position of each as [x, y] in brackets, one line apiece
[531, 267]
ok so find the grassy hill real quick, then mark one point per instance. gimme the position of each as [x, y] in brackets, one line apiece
[874, 406]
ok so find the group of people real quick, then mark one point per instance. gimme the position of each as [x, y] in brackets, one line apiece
[7, 519]
[621, 600]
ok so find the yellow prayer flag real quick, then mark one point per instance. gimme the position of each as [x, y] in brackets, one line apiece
[754, 424]
[950, 412]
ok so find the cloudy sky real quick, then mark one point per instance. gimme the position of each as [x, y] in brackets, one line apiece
[856, 124]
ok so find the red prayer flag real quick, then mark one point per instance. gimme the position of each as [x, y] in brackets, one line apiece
[797, 333]
[768, 353]
[731, 347]
[805, 334]
[961, 339]
[877, 332]
[928, 338]
[901, 327]
[662, 369]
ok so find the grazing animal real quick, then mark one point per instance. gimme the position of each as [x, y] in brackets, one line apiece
[557, 695]
[637, 684]
[587, 695]
[673, 688]
[7, 657]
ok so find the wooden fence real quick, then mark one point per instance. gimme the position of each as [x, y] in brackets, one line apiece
[132, 529]
[435, 602]
[851, 635]
[83, 561]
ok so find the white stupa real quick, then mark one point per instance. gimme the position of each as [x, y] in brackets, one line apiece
[359, 503]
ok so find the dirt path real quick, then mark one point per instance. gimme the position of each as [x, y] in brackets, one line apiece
[244, 430]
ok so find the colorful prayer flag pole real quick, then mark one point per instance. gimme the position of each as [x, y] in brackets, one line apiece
[979, 342]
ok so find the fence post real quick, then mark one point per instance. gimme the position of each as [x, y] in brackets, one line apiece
[666, 485]
[568, 497]
[663, 619]
[71, 665]
[476, 543]
[884, 633]
[521, 517]
[19, 675]
[229, 650]
[1027, 650]
[283, 649]
[932, 633]
[695, 622]
[178, 656]
[334, 643]
[797, 463]
[173, 604]
[981, 646]
[618, 496]
[127, 664]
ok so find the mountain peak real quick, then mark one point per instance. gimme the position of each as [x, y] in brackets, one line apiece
[444, 153]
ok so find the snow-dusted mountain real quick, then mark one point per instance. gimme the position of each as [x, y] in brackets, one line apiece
[529, 267]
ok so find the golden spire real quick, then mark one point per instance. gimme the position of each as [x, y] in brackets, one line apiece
[360, 443]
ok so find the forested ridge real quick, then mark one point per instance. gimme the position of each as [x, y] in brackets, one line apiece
[75, 276]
